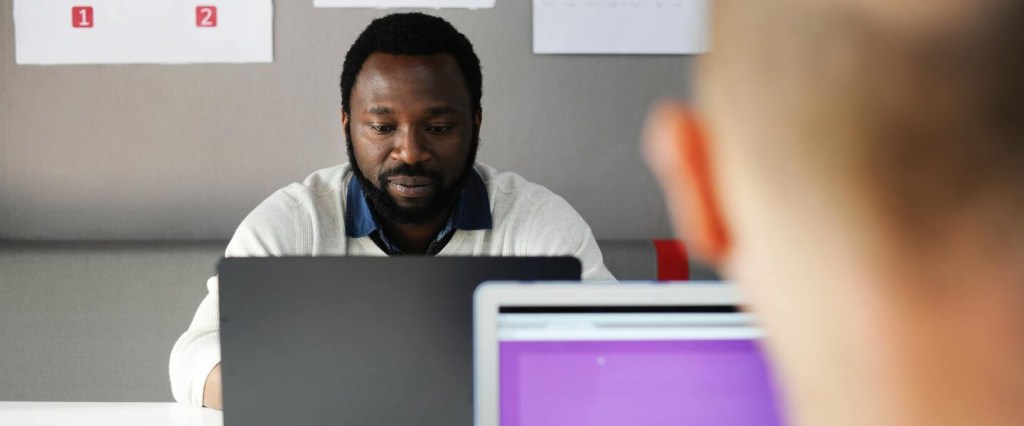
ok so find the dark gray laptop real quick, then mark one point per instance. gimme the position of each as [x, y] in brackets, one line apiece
[357, 340]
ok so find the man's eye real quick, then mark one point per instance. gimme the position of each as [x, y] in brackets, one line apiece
[439, 129]
[381, 128]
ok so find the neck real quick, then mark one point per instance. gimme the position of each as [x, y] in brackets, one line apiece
[928, 341]
[955, 355]
[414, 238]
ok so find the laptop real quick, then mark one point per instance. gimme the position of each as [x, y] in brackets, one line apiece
[619, 354]
[356, 340]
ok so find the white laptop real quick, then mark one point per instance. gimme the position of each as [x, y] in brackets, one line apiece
[618, 354]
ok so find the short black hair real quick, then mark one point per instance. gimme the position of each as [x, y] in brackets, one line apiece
[412, 34]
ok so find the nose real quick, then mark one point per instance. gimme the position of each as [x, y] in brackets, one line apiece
[410, 148]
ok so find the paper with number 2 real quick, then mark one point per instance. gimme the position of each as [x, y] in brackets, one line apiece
[143, 32]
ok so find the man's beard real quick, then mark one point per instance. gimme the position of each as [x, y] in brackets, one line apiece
[384, 205]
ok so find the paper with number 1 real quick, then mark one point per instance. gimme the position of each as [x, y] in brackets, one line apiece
[143, 31]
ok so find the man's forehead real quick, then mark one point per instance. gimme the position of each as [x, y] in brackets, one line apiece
[382, 70]
[386, 109]
[429, 82]
[405, 103]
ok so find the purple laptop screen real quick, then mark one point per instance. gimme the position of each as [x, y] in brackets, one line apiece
[664, 381]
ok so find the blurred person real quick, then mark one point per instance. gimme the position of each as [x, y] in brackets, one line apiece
[857, 167]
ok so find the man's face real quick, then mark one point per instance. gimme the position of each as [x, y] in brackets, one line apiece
[411, 134]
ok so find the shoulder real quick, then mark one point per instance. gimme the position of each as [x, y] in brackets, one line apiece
[324, 181]
[324, 185]
[527, 206]
[277, 225]
[509, 186]
[327, 183]
[540, 222]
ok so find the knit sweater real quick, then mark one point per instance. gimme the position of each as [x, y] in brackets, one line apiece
[308, 219]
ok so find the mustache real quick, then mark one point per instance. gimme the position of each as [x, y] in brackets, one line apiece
[411, 170]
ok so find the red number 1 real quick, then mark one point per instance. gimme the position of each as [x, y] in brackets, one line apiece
[81, 16]
[206, 16]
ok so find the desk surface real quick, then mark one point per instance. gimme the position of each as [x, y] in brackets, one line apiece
[107, 414]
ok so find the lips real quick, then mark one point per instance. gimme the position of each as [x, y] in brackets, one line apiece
[411, 186]
[411, 180]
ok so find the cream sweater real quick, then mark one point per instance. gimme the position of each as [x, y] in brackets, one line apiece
[308, 219]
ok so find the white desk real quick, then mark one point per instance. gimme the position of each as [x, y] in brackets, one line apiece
[107, 414]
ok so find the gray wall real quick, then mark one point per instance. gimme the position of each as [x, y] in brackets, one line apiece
[156, 153]
[184, 152]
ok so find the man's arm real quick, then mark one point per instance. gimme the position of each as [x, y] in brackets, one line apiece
[268, 231]
[197, 351]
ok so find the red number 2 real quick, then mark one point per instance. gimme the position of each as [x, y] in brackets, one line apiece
[206, 16]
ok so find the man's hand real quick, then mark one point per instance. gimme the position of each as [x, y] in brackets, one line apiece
[212, 390]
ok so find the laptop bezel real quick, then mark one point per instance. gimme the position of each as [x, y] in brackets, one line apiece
[489, 297]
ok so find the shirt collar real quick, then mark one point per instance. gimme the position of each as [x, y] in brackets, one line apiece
[472, 209]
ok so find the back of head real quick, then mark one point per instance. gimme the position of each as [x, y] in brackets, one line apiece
[917, 106]
[863, 180]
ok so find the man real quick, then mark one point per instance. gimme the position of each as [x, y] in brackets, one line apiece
[410, 90]
[857, 166]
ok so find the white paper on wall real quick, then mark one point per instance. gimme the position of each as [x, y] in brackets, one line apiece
[384, 4]
[620, 26]
[143, 31]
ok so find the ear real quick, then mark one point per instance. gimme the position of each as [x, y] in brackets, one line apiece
[344, 119]
[676, 150]
[478, 117]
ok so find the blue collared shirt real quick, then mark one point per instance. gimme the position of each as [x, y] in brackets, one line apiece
[472, 212]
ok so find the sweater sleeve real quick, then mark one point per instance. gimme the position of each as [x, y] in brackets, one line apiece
[197, 351]
[556, 229]
[270, 230]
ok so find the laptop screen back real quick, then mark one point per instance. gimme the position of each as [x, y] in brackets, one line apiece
[357, 340]
[646, 365]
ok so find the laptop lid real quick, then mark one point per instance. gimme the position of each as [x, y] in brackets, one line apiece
[356, 340]
[617, 354]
